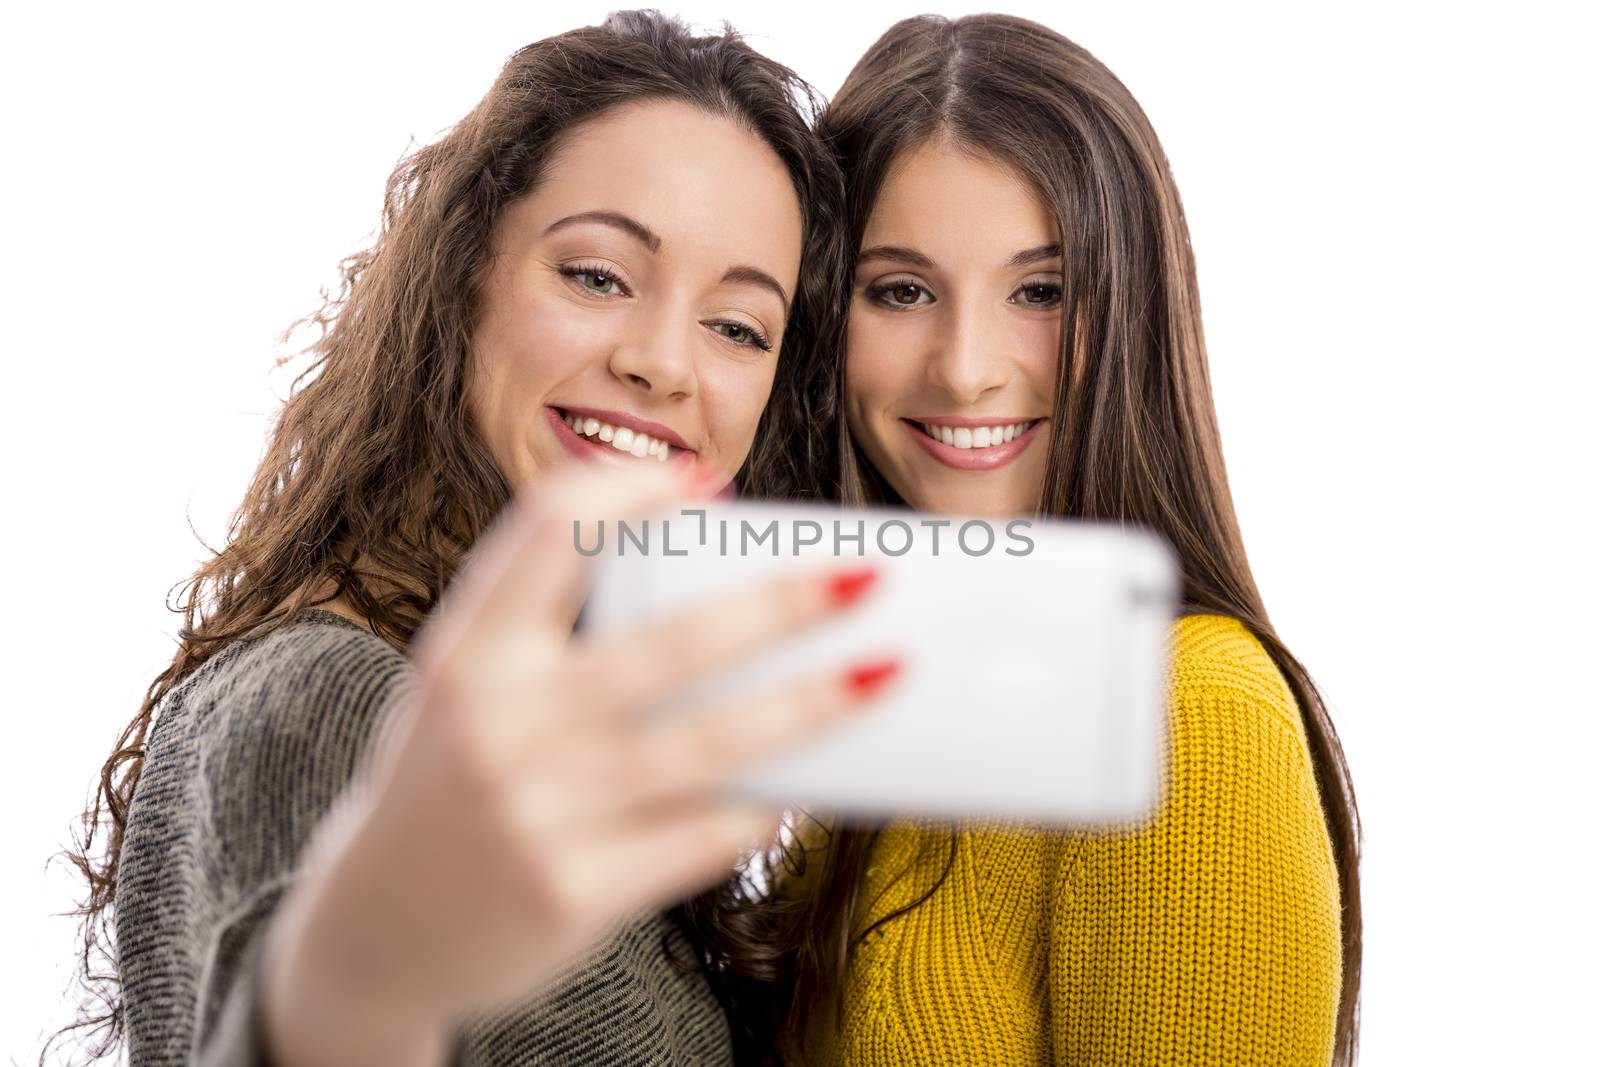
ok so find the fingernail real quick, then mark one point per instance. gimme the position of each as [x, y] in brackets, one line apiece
[848, 586]
[867, 678]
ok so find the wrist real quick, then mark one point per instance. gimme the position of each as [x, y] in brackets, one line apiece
[321, 1003]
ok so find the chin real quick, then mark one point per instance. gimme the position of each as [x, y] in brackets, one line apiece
[966, 500]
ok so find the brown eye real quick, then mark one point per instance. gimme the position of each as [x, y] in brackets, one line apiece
[1040, 294]
[899, 296]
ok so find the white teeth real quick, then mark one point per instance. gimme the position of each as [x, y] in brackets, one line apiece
[979, 437]
[621, 438]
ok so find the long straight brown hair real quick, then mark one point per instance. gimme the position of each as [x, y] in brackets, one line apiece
[373, 466]
[1134, 439]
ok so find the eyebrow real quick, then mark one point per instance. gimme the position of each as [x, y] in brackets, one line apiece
[741, 275]
[898, 253]
[1034, 255]
[912, 258]
[626, 223]
[755, 276]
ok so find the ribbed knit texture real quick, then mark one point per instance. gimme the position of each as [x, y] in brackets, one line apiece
[244, 758]
[1206, 934]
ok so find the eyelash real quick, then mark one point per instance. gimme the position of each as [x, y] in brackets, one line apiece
[1052, 287]
[757, 338]
[878, 293]
[578, 271]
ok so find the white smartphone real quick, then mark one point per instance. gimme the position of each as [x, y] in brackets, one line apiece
[1035, 653]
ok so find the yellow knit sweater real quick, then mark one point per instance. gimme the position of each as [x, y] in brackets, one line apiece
[1207, 934]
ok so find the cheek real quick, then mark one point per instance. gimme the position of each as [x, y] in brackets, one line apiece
[735, 396]
[873, 377]
[551, 340]
[522, 351]
[526, 346]
[1040, 358]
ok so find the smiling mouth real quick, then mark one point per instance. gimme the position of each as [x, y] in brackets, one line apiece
[623, 439]
[976, 436]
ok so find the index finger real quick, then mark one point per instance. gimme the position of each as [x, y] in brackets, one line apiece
[666, 654]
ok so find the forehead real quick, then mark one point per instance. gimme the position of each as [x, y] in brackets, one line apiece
[953, 202]
[699, 180]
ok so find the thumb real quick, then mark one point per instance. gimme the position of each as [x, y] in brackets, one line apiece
[528, 570]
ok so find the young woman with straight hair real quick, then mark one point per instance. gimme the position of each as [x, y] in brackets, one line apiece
[1024, 336]
[384, 806]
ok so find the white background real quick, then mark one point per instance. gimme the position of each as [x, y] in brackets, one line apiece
[1393, 213]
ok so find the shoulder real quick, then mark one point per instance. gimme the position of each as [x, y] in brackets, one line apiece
[1237, 754]
[316, 666]
[1239, 808]
[1236, 769]
[315, 686]
[314, 643]
[279, 724]
[1217, 662]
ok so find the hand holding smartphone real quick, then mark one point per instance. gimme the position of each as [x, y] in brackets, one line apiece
[1035, 653]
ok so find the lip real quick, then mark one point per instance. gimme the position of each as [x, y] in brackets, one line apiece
[953, 421]
[632, 422]
[592, 448]
[972, 459]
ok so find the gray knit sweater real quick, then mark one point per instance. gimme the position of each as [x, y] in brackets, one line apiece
[245, 755]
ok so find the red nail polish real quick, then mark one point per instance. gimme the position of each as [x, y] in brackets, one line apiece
[867, 678]
[846, 587]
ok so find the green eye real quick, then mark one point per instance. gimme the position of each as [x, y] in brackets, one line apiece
[594, 279]
[740, 334]
[597, 282]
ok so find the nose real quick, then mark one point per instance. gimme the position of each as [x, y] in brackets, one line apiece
[969, 358]
[658, 356]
